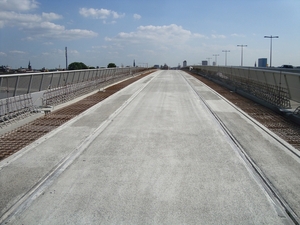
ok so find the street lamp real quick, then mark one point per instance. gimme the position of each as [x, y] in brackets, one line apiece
[242, 46]
[271, 37]
[208, 61]
[226, 56]
[216, 55]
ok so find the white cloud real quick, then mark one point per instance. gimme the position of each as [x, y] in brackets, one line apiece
[54, 31]
[2, 54]
[218, 36]
[137, 16]
[100, 47]
[51, 16]
[15, 19]
[17, 52]
[237, 35]
[18, 5]
[48, 43]
[171, 34]
[111, 22]
[199, 36]
[100, 13]
[39, 26]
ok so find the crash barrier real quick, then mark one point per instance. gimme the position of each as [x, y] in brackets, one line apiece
[275, 87]
[14, 108]
[55, 88]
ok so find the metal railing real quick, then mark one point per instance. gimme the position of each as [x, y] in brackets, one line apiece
[16, 107]
[275, 87]
[18, 84]
[52, 88]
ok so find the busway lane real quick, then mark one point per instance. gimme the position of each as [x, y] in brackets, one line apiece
[275, 162]
[163, 159]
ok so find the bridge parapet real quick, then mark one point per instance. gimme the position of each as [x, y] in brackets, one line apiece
[25, 83]
[52, 88]
[275, 87]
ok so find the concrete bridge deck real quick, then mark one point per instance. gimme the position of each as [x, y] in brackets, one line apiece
[164, 150]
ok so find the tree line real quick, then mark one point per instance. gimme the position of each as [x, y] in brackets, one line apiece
[82, 66]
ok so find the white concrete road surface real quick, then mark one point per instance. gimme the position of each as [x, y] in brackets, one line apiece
[153, 153]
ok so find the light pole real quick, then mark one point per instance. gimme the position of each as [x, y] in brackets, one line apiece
[66, 54]
[226, 56]
[271, 37]
[216, 55]
[208, 61]
[242, 46]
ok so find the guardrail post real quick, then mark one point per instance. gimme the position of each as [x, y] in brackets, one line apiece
[40, 88]
[16, 86]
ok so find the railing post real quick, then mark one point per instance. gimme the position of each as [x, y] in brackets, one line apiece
[30, 83]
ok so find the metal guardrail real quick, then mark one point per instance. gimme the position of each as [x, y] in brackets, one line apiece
[14, 108]
[18, 84]
[52, 88]
[275, 87]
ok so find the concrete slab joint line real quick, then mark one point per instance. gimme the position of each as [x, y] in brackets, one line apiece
[282, 207]
[47, 181]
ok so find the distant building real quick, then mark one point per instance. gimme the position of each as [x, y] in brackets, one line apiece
[184, 63]
[29, 66]
[204, 63]
[165, 67]
[156, 66]
[262, 62]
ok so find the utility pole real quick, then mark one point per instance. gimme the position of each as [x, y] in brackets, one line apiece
[66, 53]
[226, 56]
[242, 46]
[216, 55]
[271, 37]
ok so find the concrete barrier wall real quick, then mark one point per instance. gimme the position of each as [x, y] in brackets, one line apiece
[288, 81]
[19, 84]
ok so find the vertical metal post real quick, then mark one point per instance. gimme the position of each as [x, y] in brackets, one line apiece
[242, 46]
[226, 56]
[50, 85]
[29, 86]
[271, 37]
[16, 85]
[216, 55]
[66, 53]
[41, 84]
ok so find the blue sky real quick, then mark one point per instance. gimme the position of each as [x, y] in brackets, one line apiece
[98, 32]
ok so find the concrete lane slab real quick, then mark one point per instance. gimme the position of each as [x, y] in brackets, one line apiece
[20, 172]
[279, 161]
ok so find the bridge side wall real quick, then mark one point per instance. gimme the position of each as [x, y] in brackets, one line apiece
[278, 87]
[19, 84]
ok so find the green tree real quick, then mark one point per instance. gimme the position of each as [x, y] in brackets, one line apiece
[111, 65]
[77, 66]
